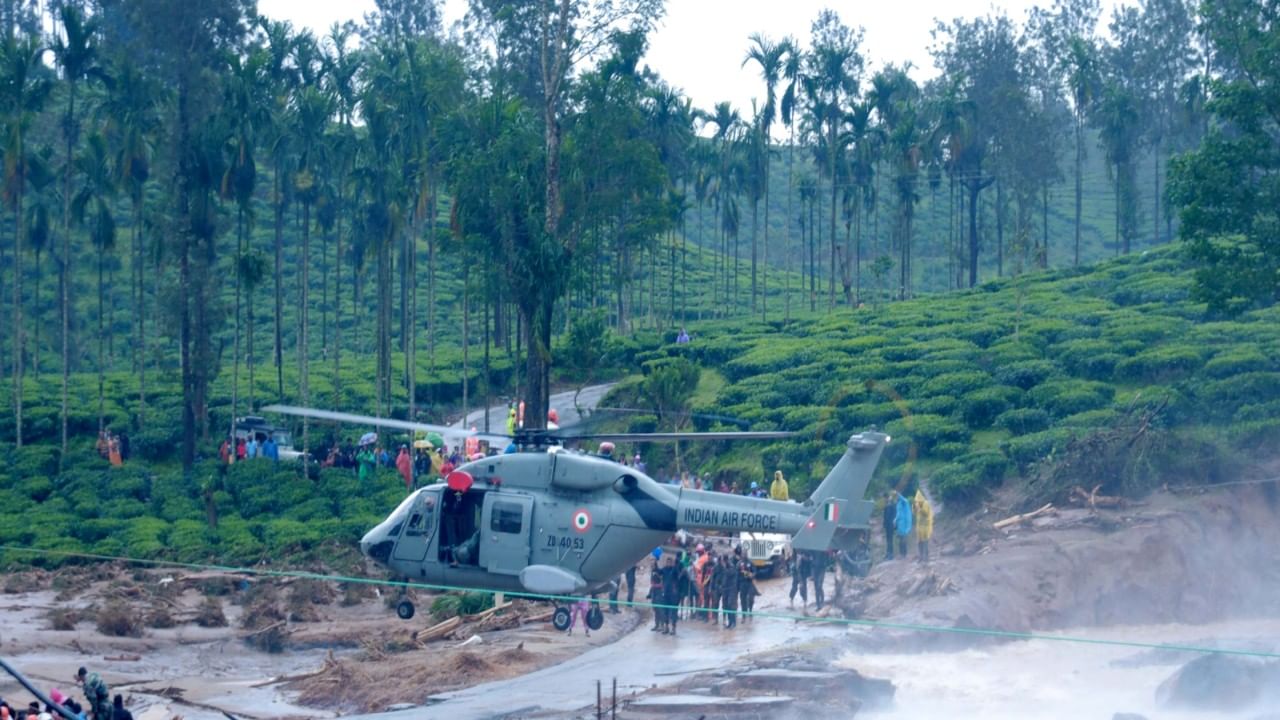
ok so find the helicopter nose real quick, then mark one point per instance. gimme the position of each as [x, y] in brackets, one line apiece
[375, 546]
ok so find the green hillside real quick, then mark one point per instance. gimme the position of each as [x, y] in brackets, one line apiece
[1048, 377]
[1106, 375]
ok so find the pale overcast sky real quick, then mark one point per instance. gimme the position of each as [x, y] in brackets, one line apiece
[700, 44]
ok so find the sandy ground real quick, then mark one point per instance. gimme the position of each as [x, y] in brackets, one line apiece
[197, 672]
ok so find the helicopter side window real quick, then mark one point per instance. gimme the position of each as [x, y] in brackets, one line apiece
[506, 518]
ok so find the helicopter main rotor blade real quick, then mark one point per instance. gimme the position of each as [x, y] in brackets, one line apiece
[353, 419]
[678, 436]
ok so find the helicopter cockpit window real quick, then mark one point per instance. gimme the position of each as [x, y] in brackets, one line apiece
[422, 518]
[506, 518]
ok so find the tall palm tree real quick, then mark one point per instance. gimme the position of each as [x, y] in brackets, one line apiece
[24, 87]
[282, 79]
[808, 189]
[129, 112]
[38, 235]
[76, 53]
[312, 108]
[793, 60]
[895, 97]
[769, 55]
[1083, 82]
[726, 121]
[340, 76]
[245, 90]
[91, 209]
[866, 140]
[251, 270]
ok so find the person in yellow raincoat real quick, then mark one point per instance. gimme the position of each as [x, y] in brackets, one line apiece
[779, 490]
[924, 524]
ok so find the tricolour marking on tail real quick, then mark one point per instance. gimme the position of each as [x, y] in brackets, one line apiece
[839, 503]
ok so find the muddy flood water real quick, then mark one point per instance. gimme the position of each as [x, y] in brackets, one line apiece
[1052, 680]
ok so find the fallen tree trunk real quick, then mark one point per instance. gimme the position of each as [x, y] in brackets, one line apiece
[1094, 500]
[1019, 519]
[437, 631]
[540, 617]
[260, 631]
[487, 613]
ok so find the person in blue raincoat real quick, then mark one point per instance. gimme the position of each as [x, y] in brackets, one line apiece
[902, 523]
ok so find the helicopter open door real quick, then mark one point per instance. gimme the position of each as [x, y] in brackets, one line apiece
[506, 523]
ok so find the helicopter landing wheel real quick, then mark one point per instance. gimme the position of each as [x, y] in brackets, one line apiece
[595, 618]
[560, 619]
[404, 610]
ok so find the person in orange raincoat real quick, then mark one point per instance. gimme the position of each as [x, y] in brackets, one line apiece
[404, 464]
[113, 452]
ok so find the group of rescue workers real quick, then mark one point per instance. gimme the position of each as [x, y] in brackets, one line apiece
[99, 705]
[700, 586]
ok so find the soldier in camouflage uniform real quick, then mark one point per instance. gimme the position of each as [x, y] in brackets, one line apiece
[96, 693]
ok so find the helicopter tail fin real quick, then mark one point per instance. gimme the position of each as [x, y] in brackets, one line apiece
[850, 476]
[839, 502]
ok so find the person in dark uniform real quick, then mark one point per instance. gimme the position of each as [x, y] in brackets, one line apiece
[630, 575]
[800, 569]
[671, 576]
[656, 595]
[890, 515]
[613, 595]
[819, 570]
[715, 597]
[747, 590]
[729, 592]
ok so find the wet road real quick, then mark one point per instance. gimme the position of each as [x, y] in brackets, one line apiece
[639, 660]
[562, 402]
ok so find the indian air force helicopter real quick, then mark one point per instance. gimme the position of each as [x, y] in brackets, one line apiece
[554, 522]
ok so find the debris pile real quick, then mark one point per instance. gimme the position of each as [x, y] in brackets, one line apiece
[503, 617]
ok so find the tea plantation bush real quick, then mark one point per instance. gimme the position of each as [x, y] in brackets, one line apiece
[1025, 374]
[981, 407]
[927, 431]
[1021, 421]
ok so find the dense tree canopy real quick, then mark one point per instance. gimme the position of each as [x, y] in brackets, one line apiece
[310, 200]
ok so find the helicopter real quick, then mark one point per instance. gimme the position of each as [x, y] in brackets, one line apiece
[548, 521]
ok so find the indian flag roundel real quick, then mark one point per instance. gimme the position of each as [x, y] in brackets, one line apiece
[832, 513]
[581, 520]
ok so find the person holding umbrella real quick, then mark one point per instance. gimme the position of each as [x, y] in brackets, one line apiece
[365, 458]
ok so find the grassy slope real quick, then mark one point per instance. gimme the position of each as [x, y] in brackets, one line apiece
[982, 385]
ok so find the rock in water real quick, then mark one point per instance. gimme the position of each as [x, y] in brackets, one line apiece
[1218, 682]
